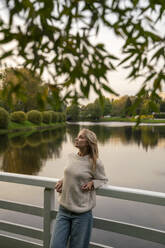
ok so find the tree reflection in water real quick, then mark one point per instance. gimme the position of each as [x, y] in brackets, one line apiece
[146, 136]
[27, 154]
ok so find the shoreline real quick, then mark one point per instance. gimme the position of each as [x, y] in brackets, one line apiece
[120, 119]
[30, 127]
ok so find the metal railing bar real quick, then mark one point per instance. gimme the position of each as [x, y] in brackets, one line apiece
[23, 208]
[17, 242]
[96, 245]
[138, 195]
[53, 213]
[132, 230]
[21, 229]
[45, 182]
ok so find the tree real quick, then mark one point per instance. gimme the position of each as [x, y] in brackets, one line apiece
[94, 111]
[162, 106]
[106, 105]
[22, 88]
[56, 35]
[128, 105]
[118, 106]
[72, 112]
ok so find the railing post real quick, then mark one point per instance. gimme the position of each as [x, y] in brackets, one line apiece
[49, 204]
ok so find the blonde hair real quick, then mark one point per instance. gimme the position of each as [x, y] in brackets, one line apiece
[92, 144]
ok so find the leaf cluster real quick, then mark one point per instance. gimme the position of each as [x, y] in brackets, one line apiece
[55, 36]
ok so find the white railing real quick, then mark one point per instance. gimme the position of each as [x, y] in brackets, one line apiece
[48, 213]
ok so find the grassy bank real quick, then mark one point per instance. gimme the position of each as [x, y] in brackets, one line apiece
[28, 126]
[120, 119]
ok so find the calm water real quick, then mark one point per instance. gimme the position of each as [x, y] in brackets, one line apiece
[132, 158]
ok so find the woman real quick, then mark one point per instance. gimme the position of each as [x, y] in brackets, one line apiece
[83, 174]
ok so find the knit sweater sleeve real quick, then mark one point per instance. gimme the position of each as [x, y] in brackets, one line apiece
[99, 177]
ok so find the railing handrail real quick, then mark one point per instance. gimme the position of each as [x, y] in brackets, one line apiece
[126, 193]
[38, 181]
[48, 211]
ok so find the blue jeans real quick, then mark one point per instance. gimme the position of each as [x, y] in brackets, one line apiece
[77, 227]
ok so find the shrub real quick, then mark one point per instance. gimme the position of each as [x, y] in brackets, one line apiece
[34, 116]
[54, 115]
[4, 118]
[46, 117]
[18, 116]
[61, 117]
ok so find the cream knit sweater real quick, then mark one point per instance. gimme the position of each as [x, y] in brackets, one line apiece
[76, 173]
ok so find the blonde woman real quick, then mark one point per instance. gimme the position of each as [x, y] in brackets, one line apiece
[83, 174]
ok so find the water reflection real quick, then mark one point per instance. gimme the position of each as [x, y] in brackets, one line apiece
[146, 136]
[3, 143]
[28, 153]
[73, 131]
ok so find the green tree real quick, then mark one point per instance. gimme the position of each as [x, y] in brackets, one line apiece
[105, 105]
[148, 107]
[46, 37]
[118, 106]
[94, 110]
[162, 106]
[128, 105]
[72, 112]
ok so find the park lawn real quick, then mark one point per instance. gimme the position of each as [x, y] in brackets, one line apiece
[26, 124]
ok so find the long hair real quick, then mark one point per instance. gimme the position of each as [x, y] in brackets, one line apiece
[92, 146]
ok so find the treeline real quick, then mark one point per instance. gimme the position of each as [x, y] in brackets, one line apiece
[35, 94]
[121, 107]
[33, 116]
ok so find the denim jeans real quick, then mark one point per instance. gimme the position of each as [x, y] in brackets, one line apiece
[72, 229]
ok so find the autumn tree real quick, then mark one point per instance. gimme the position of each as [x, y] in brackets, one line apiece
[23, 88]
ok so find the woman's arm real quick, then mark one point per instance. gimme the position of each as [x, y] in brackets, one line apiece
[99, 177]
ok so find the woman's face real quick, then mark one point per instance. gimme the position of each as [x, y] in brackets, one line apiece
[81, 140]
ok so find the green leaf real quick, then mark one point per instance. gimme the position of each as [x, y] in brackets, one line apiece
[160, 52]
[106, 88]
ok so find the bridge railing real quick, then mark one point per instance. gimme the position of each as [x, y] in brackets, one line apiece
[48, 213]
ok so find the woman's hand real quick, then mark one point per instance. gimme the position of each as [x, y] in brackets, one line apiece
[58, 186]
[88, 186]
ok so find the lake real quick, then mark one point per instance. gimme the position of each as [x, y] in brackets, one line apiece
[133, 157]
